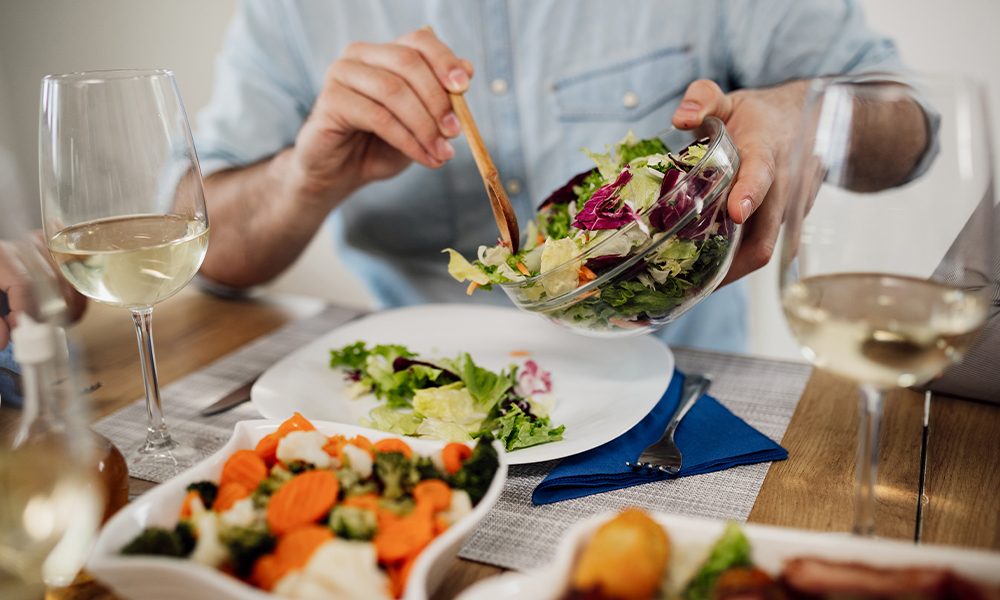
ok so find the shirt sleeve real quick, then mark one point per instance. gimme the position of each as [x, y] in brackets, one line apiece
[261, 94]
[772, 41]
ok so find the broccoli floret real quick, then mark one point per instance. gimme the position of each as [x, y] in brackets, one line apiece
[245, 545]
[185, 535]
[477, 471]
[352, 485]
[207, 490]
[396, 472]
[300, 466]
[399, 507]
[157, 541]
[353, 523]
[426, 468]
[278, 477]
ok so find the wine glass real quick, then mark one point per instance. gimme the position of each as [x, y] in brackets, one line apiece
[885, 270]
[123, 207]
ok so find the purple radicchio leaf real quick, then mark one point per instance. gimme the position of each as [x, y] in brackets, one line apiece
[704, 225]
[565, 194]
[605, 210]
[401, 363]
[606, 262]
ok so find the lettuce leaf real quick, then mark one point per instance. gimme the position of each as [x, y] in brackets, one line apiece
[384, 418]
[517, 430]
[731, 550]
[485, 386]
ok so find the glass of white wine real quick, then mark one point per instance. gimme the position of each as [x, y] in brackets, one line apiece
[885, 260]
[123, 207]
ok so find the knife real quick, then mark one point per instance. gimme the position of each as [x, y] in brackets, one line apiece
[231, 400]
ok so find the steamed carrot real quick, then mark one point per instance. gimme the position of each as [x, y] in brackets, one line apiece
[365, 501]
[229, 494]
[453, 455]
[434, 493]
[440, 525]
[267, 448]
[523, 269]
[295, 423]
[305, 499]
[393, 445]
[266, 572]
[364, 443]
[472, 287]
[186, 506]
[398, 574]
[335, 447]
[403, 537]
[296, 548]
[245, 467]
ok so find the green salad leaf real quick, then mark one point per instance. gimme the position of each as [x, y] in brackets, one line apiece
[731, 550]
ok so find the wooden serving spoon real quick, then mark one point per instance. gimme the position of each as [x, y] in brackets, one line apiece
[502, 210]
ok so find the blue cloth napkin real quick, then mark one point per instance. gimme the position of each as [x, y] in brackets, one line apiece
[7, 395]
[710, 437]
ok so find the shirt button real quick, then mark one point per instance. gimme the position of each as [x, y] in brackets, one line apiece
[630, 100]
[499, 86]
[513, 186]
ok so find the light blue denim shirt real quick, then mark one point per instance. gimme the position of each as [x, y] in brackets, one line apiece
[552, 77]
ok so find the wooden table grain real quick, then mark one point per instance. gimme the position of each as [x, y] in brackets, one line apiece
[939, 485]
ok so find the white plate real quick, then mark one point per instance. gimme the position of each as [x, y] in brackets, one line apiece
[770, 546]
[602, 387]
[158, 578]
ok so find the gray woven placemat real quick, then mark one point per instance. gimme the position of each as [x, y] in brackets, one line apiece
[183, 399]
[519, 535]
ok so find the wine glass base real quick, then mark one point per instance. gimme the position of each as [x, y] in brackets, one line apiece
[172, 453]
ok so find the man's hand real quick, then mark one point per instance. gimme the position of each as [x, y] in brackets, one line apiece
[380, 107]
[762, 124]
[15, 284]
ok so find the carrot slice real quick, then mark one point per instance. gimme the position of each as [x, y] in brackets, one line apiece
[365, 501]
[335, 447]
[245, 467]
[364, 443]
[229, 494]
[305, 499]
[186, 506]
[523, 269]
[267, 448]
[433, 492]
[296, 423]
[398, 574]
[266, 572]
[403, 537]
[453, 455]
[440, 525]
[393, 445]
[472, 287]
[296, 548]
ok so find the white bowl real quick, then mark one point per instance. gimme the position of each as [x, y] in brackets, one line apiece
[770, 547]
[161, 578]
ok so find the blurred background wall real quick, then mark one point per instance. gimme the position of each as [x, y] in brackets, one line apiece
[38, 37]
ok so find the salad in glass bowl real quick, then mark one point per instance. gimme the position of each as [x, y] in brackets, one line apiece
[628, 246]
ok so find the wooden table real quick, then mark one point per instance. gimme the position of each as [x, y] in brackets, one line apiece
[939, 485]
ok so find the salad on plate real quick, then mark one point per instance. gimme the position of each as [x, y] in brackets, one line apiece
[454, 400]
[643, 208]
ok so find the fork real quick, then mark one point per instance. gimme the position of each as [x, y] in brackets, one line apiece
[663, 455]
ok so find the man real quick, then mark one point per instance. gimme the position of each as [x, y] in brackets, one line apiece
[320, 109]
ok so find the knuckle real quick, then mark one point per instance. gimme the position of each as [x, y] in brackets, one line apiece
[406, 58]
[760, 255]
[355, 48]
[389, 85]
[381, 118]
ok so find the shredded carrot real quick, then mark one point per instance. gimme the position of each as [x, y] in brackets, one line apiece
[296, 547]
[245, 467]
[452, 456]
[266, 572]
[304, 499]
[186, 506]
[229, 494]
[585, 273]
[403, 537]
[434, 493]
[523, 269]
[590, 293]
[472, 287]
[519, 353]
[541, 239]
[393, 445]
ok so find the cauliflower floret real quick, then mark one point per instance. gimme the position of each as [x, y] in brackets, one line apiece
[438, 461]
[242, 514]
[208, 550]
[339, 569]
[358, 460]
[306, 446]
[460, 506]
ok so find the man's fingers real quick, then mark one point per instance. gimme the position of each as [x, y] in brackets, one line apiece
[703, 97]
[452, 72]
[409, 65]
[394, 94]
[757, 168]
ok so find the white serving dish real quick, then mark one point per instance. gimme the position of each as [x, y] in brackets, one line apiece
[602, 387]
[771, 547]
[160, 578]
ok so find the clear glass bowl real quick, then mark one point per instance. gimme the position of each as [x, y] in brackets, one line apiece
[693, 209]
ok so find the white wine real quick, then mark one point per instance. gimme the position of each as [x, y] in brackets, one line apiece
[882, 330]
[49, 515]
[131, 262]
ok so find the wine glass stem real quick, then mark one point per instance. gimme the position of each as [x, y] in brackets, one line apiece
[870, 404]
[157, 436]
